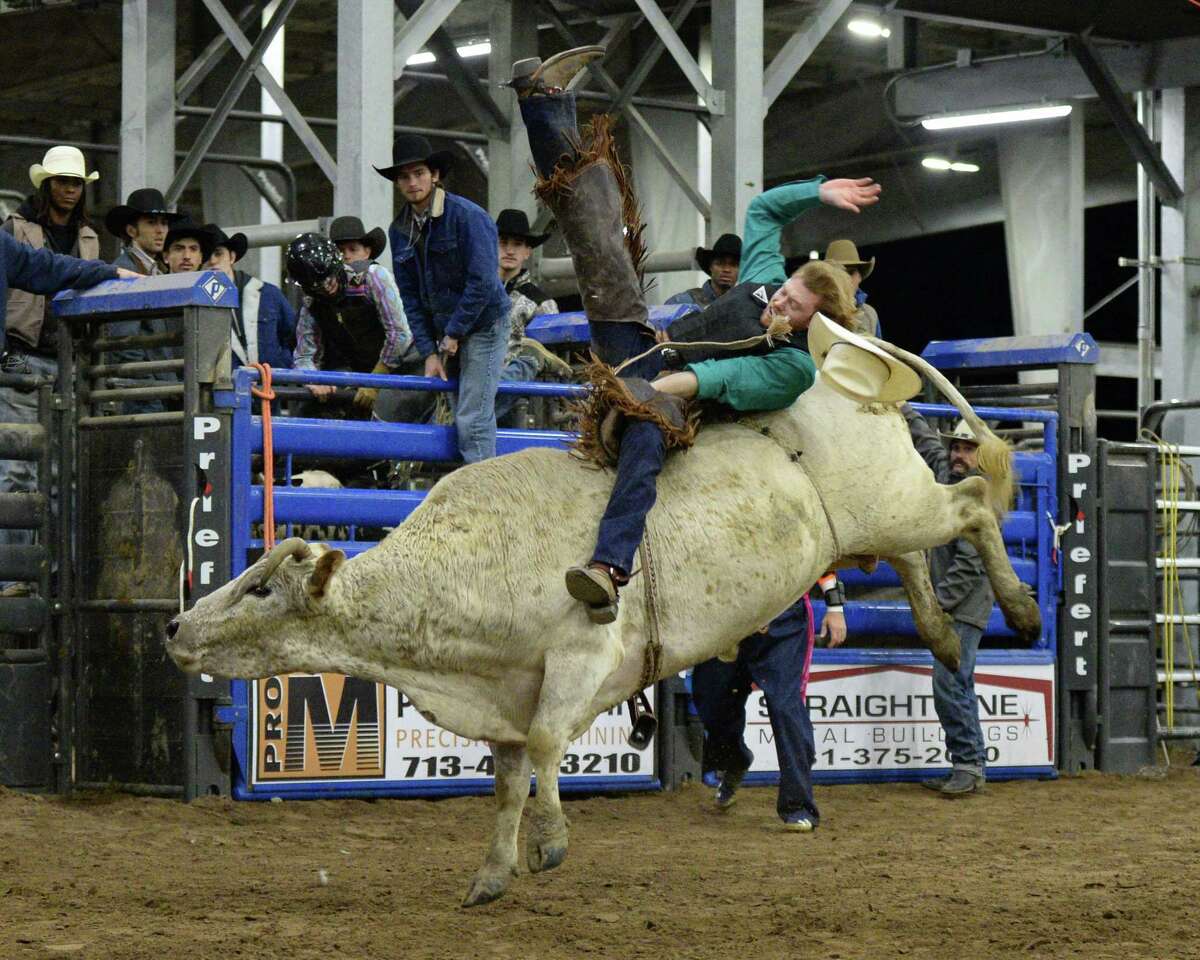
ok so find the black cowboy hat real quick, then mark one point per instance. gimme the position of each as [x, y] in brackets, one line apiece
[351, 228]
[514, 223]
[237, 244]
[146, 202]
[187, 227]
[727, 245]
[409, 148]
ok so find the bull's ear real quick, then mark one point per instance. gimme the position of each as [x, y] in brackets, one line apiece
[327, 565]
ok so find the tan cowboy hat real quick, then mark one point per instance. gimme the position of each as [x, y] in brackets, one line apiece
[61, 162]
[856, 367]
[962, 433]
[845, 253]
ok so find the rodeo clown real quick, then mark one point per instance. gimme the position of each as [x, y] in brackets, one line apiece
[584, 183]
[352, 318]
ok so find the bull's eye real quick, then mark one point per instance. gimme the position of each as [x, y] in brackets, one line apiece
[262, 590]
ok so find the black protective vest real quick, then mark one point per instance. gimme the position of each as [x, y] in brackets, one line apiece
[351, 333]
[733, 316]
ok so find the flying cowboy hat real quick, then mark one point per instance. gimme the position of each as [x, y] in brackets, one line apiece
[857, 368]
[188, 228]
[514, 223]
[237, 244]
[727, 245]
[962, 433]
[344, 229]
[845, 253]
[409, 148]
[61, 162]
[146, 202]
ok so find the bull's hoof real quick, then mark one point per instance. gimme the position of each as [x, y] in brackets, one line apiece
[540, 857]
[1024, 618]
[947, 650]
[486, 886]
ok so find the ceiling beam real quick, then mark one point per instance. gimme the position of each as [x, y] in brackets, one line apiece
[1132, 132]
[800, 47]
[1040, 77]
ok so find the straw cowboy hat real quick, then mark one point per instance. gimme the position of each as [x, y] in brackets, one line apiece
[515, 223]
[410, 148]
[857, 368]
[344, 229]
[845, 253]
[61, 162]
[962, 433]
[727, 245]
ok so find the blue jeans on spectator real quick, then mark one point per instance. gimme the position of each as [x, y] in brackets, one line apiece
[21, 406]
[480, 357]
[720, 691]
[956, 705]
[520, 369]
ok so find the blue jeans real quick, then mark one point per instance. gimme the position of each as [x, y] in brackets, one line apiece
[480, 357]
[520, 369]
[643, 450]
[957, 708]
[21, 406]
[720, 691]
[551, 127]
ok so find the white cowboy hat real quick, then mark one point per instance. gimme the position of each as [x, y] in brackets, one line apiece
[61, 162]
[962, 433]
[856, 367]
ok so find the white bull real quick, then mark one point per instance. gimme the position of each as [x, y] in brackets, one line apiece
[463, 606]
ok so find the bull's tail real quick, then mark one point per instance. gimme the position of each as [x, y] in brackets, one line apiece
[995, 455]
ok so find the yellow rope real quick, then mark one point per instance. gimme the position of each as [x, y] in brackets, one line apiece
[1173, 474]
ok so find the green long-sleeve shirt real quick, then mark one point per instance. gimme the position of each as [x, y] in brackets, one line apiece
[768, 213]
[769, 382]
[774, 381]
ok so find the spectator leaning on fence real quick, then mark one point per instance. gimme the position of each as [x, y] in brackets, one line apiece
[264, 323]
[525, 358]
[444, 250]
[352, 318]
[30, 272]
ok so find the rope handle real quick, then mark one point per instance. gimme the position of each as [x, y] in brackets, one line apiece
[779, 329]
[266, 393]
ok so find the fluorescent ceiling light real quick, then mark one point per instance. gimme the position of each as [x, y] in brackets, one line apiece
[941, 164]
[995, 116]
[868, 28]
[480, 49]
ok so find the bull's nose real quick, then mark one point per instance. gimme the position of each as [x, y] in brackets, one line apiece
[172, 629]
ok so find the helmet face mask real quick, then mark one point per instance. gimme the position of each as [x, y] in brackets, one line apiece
[311, 260]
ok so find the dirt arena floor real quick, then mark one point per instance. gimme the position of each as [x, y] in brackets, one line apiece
[1092, 866]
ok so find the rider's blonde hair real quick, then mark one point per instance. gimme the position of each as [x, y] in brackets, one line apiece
[832, 284]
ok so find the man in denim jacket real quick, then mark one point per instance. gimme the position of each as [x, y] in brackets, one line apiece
[444, 250]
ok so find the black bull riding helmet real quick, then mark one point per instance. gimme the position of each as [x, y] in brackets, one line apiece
[311, 260]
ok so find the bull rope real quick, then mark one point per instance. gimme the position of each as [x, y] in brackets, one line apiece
[779, 329]
[266, 394]
[652, 658]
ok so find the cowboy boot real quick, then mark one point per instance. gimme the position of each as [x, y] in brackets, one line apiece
[589, 214]
[534, 76]
[544, 360]
[597, 585]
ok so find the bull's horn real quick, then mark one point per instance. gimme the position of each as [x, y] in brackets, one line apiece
[257, 575]
[291, 547]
